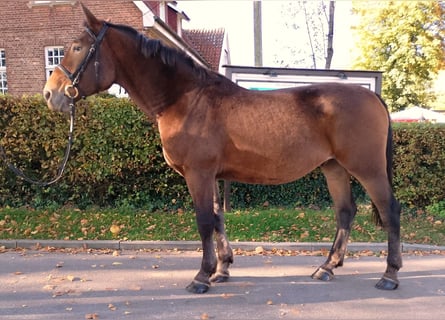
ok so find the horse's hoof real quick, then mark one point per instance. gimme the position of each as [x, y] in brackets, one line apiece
[218, 278]
[197, 287]
[323, 275]
[387, 284]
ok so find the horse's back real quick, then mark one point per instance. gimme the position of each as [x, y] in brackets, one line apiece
[278, 136]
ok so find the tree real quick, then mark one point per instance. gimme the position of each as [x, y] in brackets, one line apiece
[309, 33]
[405, 40]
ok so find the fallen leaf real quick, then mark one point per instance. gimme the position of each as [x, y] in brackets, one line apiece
[269, 302]
[91, 316]
[204, 316]
[135, 288]
[49, 287]
[72, 278]
[114, 229]
[112, 307]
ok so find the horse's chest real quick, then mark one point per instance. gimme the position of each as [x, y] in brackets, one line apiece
[185, 146]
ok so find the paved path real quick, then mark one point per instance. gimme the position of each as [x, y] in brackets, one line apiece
[40, 284]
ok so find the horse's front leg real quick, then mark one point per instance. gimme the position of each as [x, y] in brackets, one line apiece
[225, 254]
[201, 190]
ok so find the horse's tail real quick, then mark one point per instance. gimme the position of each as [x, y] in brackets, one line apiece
[389, 159]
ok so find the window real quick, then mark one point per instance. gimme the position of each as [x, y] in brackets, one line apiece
[3, 82]
[50, 3]
[53, 57]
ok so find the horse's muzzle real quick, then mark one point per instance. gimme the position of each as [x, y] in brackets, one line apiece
[56, 101]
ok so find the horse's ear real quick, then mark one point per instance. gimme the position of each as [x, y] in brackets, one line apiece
[94, 23]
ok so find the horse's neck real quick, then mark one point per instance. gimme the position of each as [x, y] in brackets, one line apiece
[150, 85]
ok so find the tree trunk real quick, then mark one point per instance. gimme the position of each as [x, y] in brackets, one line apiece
[330, 48]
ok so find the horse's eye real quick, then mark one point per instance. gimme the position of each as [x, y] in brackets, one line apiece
[77, 48]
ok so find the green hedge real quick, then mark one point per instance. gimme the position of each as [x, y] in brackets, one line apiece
[117, 161]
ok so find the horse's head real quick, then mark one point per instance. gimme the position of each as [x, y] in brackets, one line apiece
[85, 69]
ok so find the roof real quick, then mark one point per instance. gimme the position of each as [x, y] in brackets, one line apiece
[209, 43]
[417, 114]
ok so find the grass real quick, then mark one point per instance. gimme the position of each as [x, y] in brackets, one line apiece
[263, 224]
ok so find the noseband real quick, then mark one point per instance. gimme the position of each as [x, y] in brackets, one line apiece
[75, 76]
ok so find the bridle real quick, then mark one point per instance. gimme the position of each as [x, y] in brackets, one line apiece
[92, 52]
[74, 78]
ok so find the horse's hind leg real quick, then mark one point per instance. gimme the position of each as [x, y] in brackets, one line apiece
[338, 180]
[224, 251]
[388, 208]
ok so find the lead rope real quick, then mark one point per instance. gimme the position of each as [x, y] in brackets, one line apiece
[62, 166]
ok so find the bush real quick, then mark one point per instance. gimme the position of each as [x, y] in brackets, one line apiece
[419, 163]
[116, 157]
[117, 160]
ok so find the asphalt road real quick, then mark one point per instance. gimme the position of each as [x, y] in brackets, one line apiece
[39, 284]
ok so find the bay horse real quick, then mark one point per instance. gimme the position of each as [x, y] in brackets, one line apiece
[212, 129]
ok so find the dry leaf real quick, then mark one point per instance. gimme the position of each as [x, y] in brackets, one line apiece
[114, 229]
[269, 302]
[112, 307]
[49, 287]
[91, 316]
[72, 278]
[204, 316]
[136, 288]
[259, 250]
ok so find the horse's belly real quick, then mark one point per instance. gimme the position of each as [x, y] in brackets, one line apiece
[260, 170]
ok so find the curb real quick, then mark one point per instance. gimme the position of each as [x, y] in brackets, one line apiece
[195, 245]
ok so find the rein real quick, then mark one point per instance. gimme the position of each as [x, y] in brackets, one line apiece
[74, 78]
[62, 166]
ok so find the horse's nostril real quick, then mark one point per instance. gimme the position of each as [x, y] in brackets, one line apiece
[47, 94]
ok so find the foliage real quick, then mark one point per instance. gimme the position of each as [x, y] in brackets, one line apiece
[116, 157]
[405, 40]
[419, 163]
[117, 161]
[437, 209]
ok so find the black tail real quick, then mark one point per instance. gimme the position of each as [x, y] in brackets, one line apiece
[389, 159]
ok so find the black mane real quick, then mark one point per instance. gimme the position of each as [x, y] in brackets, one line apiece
[155, 48]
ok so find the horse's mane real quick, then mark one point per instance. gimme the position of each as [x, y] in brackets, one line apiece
[155, 48]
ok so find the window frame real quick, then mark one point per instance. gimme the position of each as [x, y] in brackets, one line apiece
[3, 76]
[57, 58]
[50, 3]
